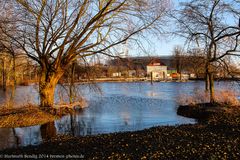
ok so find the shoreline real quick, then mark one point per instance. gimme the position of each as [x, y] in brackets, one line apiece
[133, 80]
[167, 142]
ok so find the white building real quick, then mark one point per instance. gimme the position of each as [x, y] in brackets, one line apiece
[117, 74]
[157, 69]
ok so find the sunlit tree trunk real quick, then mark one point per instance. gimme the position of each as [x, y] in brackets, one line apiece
[47, 85]
[71, 87]
[46, 91]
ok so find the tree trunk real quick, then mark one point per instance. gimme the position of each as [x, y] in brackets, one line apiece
[72, 124]
[151, 78]
[180, 72]
[71, 87]
[211, 86]
[207, 82]
[4, 76]
[47, 85]
[14, 72]
[46, 92]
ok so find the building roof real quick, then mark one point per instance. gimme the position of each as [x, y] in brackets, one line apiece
[156, 62]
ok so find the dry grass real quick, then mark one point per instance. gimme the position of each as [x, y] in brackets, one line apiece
[25, 116]
[196, 98]
[227, 97]
[223, 96]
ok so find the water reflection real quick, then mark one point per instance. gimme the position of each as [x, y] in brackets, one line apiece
[121, 107]
[7, 138]
[15, 137]
[48, 130]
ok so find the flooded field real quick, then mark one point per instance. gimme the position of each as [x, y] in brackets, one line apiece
[118, 107]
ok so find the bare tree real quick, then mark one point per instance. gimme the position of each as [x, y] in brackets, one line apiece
[204, 25]
[179, 59]
[196, 62]
[9, 47]
[56, 32]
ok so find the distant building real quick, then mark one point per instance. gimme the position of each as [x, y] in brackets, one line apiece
[172, 74]
[184, 76]
[116, 74]
[139, 64]
[132, 73]
[157, 69]
[192, 75]
[161, 68]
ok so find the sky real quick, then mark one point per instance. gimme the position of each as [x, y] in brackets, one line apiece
[164, 44]
[161, 45]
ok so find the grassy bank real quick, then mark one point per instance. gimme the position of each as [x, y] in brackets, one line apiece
[216, 139]
[24, 116]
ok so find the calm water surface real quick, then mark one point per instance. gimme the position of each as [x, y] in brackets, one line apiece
[120, 107]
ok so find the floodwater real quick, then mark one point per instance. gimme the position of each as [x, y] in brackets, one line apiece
[119, 107]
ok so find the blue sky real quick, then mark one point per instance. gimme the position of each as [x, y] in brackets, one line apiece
[161, 45]
[164, 44]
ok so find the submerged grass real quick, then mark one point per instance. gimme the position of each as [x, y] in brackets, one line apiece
[24, 116]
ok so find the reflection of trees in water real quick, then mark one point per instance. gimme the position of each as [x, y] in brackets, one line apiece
[16, 137]
[28, 135]
[76, 124]
[133, 116]
[48, 130]
[80, 125]
[19, 96]
[85, 127]
[72, 119]
[126, 117]
[7, 138]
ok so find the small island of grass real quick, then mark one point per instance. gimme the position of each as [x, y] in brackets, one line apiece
[25, 116]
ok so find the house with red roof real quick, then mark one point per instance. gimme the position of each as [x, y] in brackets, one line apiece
[157, 69]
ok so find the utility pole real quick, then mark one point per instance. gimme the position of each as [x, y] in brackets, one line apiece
[151, 78]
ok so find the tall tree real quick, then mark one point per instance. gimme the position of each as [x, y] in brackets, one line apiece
[56, 32]
[9, 46]
[214, 26]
